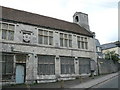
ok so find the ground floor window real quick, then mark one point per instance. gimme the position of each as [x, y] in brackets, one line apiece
[46, 65]
[7, 65]
[84, 65]
[67, 65]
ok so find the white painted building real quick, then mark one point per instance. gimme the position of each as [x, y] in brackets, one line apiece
[113, 46]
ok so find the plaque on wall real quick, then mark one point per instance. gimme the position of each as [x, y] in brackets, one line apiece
[26, 37]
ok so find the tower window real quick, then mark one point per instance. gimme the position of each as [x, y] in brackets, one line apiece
[76, 19]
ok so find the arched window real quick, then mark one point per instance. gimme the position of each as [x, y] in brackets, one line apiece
[76, 19]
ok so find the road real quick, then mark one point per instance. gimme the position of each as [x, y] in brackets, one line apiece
[111, 83]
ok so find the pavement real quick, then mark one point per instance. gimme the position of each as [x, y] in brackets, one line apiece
[86, 82]
[96, 81]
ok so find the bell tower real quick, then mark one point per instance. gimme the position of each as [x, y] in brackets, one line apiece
[81, 19]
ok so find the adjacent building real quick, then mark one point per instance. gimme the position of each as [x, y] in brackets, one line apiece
[98, 49]
[113, 46]
[41, 48]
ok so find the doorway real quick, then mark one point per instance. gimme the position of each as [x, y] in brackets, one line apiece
[20, 72]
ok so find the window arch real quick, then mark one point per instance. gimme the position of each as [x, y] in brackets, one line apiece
[76, 18]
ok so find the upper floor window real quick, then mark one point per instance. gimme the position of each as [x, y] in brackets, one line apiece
[7, 31]
[77, 19]
[65, 40]
[98, 49]
[82, 42]
[45, 37]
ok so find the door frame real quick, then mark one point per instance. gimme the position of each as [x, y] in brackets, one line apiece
[24, 65]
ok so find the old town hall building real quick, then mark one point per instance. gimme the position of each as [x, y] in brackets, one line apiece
[40, 48]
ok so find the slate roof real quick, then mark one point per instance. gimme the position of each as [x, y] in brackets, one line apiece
[97, 43]
[108, 46]
[10, 14]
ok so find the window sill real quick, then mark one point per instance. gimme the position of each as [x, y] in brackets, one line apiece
[2, 40]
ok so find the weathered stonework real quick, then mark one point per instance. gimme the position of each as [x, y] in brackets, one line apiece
[29, 46]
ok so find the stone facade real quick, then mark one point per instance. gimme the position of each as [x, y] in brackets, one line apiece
[27, 54]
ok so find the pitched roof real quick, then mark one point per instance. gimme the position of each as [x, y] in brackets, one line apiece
[40, 20]
[117, 43]
[108, 46]
[97, 42]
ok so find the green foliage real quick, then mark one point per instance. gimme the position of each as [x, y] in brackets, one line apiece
[111, 55]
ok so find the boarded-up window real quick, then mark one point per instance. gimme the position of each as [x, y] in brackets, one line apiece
[84, 65]
[7, 64]
[67, 65]
[46, 65]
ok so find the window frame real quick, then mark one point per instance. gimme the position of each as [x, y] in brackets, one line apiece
[84, 65]
[82, 42]
[10, 33]
[7, 62]
[66, 39]
[43, 35]
[67, 65]
[48, 65]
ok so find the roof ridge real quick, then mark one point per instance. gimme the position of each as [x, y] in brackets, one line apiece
[38, 14]
[109, 43]
[42, 20]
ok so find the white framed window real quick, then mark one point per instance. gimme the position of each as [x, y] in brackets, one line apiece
[98, 49]
[65, 40]
[82, 42]
[7, 31]
[45, 37]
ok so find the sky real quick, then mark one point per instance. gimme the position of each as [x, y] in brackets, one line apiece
[102, 14]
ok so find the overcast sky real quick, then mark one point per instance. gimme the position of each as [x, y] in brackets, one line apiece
[103, 14]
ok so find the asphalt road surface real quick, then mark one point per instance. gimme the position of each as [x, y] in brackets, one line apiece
[111, 83]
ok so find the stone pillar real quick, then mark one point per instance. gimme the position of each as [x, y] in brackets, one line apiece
[76, 63]
[94, 57]
[35, 66]
[31, 68]
[0, 68]
[14, 66]
[57, 67]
